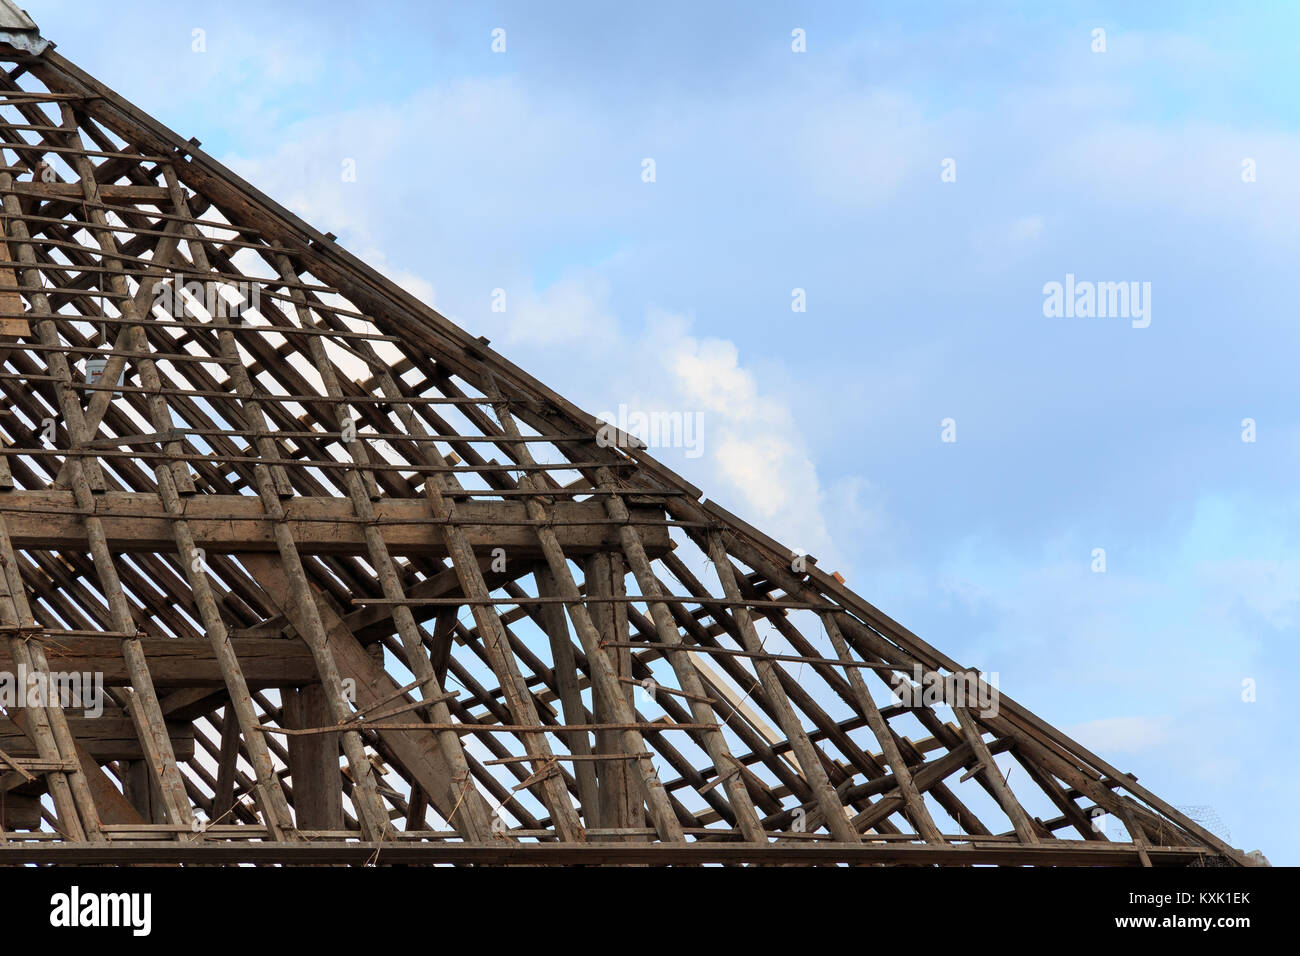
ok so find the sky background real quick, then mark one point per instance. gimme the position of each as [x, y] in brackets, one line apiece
[821, 170]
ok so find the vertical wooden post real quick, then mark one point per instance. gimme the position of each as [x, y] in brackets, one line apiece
[688, 677]
[620, 803]
[223, 796]
[566, 680]
[603, 674]
[139, 787]
[313, 760]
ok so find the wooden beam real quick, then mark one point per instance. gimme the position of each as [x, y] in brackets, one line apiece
[105, 738]
[223, 795]
[10, 302]
[133, 194]
[47, 520]
[20, 812]
[109, 804]
[620, 804]
[567, 681]
[313, 761]
[266, 662]
[504, 852]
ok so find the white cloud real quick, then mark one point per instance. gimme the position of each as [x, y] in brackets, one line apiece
[755, 445]
[569, 311]
[755, 460]
[1122, 735]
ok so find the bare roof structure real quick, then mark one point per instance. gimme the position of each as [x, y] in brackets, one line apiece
[360, 590]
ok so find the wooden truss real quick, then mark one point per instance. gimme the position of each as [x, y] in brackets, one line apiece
[360, 590]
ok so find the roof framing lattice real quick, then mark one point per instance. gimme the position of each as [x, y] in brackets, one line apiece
[357, 588]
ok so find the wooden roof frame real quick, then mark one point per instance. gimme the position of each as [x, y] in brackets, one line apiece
[453, 629]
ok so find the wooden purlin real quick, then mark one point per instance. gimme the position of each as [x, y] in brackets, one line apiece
[333, 849]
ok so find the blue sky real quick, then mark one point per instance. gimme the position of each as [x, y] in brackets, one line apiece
[821, 170]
